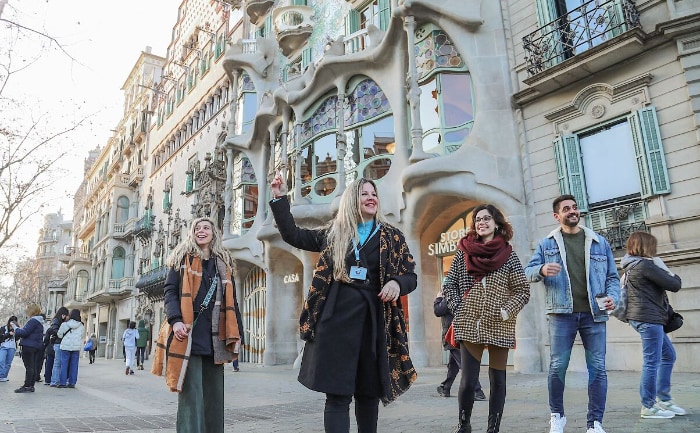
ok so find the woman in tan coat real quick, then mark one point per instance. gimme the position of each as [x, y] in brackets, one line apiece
[485, 289]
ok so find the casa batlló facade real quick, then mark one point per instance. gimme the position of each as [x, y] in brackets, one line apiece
[447, 105]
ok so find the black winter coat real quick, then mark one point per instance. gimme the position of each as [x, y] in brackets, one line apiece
[351, 323]
[646, 287]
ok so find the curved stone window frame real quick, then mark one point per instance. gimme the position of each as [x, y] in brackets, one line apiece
[439, 64]
[244, 194]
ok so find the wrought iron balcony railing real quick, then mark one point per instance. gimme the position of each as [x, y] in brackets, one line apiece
[581, 29]
[617, 223]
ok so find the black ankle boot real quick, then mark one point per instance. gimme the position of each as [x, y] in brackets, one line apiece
[464, 425]
[494, 422]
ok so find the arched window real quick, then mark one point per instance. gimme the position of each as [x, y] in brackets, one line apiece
[118, 255]
[122, 209]
[81, 285]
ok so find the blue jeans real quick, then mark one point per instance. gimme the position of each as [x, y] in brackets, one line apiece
[69, 367]
[7, 354]
[562, 331]
[56, 370]
[658, 358]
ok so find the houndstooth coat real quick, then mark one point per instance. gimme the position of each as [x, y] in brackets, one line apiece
[477, 318]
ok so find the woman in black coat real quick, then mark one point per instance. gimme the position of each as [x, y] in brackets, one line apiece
[648, 279]
[352, 319]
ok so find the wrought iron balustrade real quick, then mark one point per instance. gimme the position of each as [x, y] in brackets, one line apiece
[617, 223]
[580, 29]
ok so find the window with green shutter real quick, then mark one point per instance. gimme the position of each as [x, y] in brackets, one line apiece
[352, 22]
[613, 162]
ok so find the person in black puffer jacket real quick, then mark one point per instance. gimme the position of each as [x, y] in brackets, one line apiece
[441, 310]
[648, 279]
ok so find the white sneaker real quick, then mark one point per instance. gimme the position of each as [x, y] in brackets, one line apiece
[656, 412]
[597, 428]
[556, 423]
[671, 406]
[4, 379]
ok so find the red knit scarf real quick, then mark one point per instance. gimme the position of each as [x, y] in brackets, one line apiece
[481, 258]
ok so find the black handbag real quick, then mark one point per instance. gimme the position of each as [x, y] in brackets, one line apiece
[675, 320]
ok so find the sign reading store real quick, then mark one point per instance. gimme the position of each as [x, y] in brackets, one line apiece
[447, 243]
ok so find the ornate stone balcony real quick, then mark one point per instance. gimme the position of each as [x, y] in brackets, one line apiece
[136, 176]
[257, 9]
[293, 26]
[115, 289]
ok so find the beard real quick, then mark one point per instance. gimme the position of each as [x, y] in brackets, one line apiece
[568, 221]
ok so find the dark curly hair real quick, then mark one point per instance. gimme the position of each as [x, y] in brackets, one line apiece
[503, 227]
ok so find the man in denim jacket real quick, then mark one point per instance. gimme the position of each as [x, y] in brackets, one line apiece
[576, 264]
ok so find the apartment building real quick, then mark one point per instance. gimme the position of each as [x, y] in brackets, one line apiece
[447, 105]
[54, 240]
[606, 100]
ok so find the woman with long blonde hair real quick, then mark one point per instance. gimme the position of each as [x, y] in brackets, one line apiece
[352, 320]
[202, 329]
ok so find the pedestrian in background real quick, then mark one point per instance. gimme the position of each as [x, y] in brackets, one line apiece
[441, 310]
[648, 279]
[129, 338]
[41, 354]
[577, 265]
[8, 347]
[352, 318]
[61, 316]
[206, 324]
[485, 289]
[49, 355]
[91, 352]
[72, 334]
[142, 343]
[31, 341]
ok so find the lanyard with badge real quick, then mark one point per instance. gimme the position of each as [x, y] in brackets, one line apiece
[358, 272]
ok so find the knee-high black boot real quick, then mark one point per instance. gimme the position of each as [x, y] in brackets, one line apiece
[470, 375]
[497, 400]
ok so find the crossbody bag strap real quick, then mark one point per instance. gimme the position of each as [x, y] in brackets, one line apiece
[207, 299]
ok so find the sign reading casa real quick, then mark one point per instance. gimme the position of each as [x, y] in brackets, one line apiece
[448, 242]
[291, 278]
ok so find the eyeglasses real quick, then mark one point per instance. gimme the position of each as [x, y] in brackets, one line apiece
[485, 219]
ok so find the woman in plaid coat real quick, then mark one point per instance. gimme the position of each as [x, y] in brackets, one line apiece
[485, 289]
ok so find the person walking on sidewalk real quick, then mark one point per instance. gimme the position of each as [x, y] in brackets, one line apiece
[8, 347]
[91, 352]
[129, 338]
[577, 265]
[61, 316]
[72, 335]
[31, 341]
[455, 363]
[485, 289]
[352, 320]
[142, 343]
[648, 279]
[201, 307]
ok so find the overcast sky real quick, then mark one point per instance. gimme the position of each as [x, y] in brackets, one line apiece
[105, 38]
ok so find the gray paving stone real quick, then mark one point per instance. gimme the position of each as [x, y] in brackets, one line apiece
[269, 399]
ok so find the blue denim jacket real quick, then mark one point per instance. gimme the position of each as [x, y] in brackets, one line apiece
[601, 273]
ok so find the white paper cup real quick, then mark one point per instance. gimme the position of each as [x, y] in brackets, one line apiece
[600, 299]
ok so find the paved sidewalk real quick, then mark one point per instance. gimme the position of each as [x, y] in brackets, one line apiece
[269, 399]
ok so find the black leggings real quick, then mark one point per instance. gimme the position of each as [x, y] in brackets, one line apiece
[471, 364]
[336, 415]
